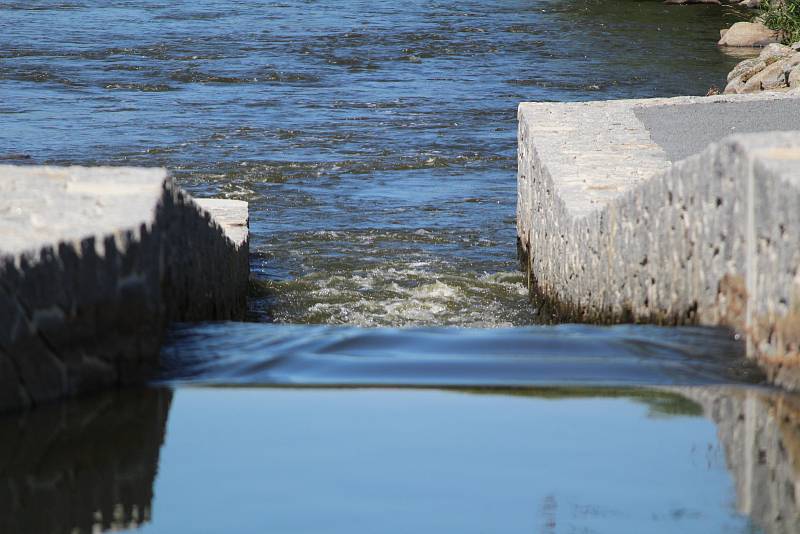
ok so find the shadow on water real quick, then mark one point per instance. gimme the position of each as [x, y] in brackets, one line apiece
[82, 466]
[91, 465]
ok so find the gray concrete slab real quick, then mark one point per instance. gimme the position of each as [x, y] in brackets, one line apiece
[232, 215]
[684, 130]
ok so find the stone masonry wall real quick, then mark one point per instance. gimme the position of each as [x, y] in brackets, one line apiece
[82, 311]
[713, 239]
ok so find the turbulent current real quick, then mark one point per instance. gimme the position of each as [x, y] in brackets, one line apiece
[375, 141]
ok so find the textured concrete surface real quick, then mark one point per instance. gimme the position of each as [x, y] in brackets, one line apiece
[231, 215]
[682, 131]
[94, 262]
[611, 230]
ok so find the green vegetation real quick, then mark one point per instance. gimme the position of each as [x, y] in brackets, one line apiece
[782, 16]
[660, 401]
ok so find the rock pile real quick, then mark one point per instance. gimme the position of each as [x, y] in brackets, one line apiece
[777, 68]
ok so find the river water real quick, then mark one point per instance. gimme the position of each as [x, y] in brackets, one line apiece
[375, 141]
[376, 145]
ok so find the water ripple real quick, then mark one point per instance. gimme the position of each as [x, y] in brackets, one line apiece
[253, 354]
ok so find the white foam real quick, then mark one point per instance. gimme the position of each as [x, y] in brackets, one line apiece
[436, 290]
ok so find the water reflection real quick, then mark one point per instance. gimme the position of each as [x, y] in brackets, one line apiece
[760, 432]
[521, 460]
[83, 466]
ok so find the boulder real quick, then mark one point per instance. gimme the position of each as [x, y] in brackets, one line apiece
[775, 52]
[735, 86]
[794, 78]
[771, 78]
[751, 4]
[791, 62]
[748, 34]
[747, 68]
[791, 67]
[770, 71]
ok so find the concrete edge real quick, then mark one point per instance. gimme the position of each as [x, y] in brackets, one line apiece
[86, 298]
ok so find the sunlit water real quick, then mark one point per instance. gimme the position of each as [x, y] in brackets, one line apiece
[375, 142]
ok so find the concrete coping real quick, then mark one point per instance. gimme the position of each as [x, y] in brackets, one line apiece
[231, 215]
[596, 151]
[41, 205]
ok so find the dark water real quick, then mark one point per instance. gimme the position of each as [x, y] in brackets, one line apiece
[565, 355]
[375, 142]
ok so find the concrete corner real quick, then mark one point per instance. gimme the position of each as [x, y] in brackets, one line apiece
[650, 210]
[94, 262]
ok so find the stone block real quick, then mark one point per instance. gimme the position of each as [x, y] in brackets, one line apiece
[626, 213]
[94, 263]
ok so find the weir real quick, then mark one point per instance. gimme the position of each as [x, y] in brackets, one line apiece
[652, 211]
[94, 263]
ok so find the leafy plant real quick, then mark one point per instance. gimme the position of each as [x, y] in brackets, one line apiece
[782, 16]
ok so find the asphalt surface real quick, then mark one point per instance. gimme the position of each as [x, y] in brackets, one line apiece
[683, 130]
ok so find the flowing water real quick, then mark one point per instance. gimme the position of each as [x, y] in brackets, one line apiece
[376, 145]
[375, 141]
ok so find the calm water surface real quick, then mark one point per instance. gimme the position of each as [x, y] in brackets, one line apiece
[547, 460]
[375, 142]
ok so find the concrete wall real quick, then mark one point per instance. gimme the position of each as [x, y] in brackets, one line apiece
[94, 263]
[712, 239]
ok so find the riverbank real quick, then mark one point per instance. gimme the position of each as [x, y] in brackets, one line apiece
[94, 263]
[776, 29]
[776, 68]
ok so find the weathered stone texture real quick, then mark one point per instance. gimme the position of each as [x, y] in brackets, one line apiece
[611, 231]
[93, 265]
